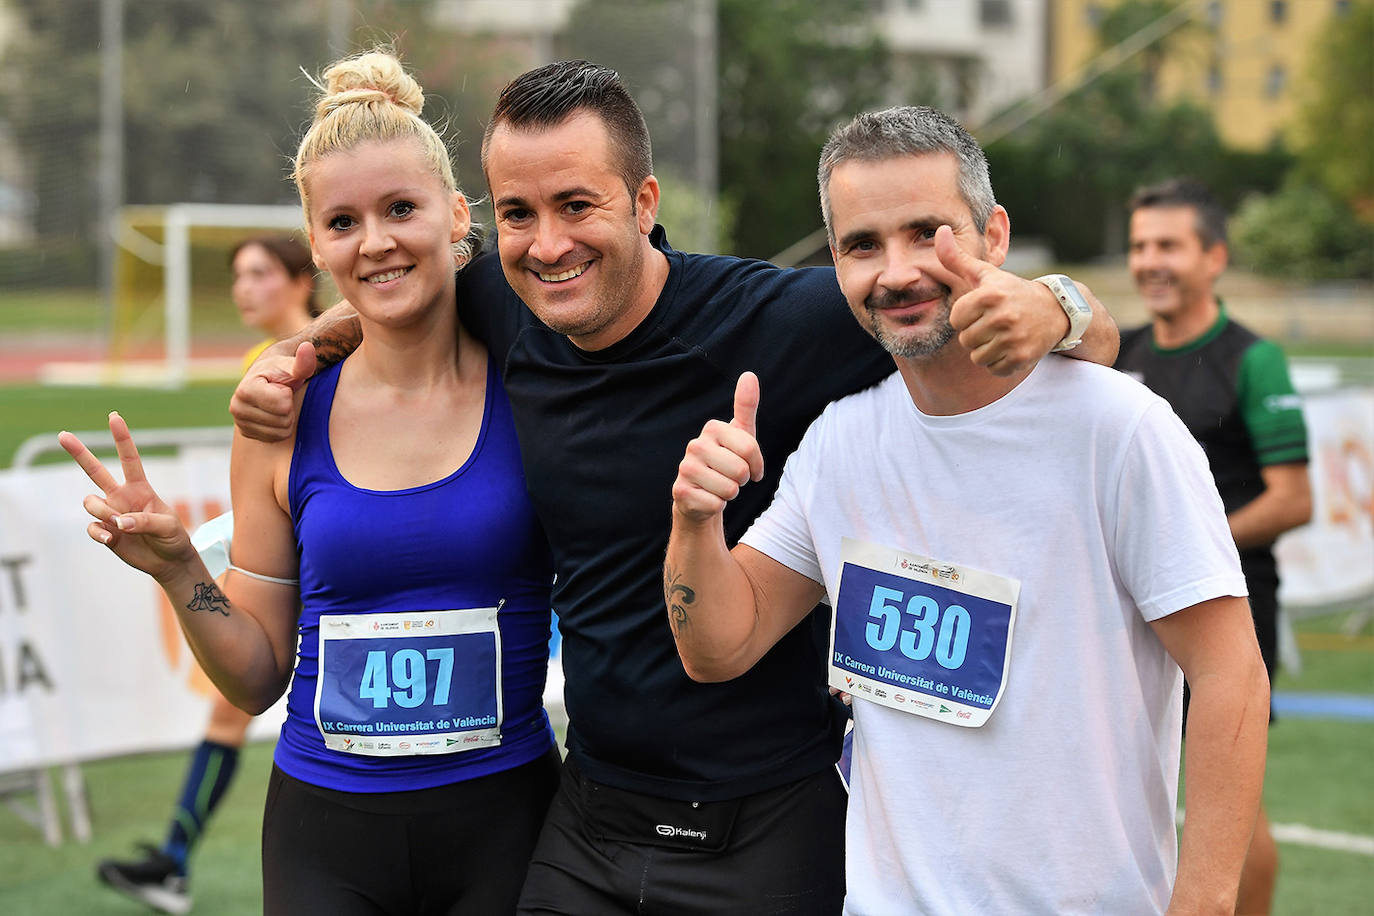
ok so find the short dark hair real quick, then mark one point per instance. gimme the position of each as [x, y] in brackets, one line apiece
[291, 254]
[1210, 215]
[549, 95]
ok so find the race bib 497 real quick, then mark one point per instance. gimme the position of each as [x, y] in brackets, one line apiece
[423, 682]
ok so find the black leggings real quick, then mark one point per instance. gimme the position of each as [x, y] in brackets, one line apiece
[456, 849]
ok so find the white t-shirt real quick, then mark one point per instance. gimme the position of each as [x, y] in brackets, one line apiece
[1086, 488]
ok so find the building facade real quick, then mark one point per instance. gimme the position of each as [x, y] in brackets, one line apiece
[1244, 60]
[980, 55]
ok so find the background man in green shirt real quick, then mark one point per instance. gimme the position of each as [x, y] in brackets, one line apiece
[1232, 390]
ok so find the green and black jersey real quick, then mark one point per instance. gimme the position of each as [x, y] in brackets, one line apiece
[1232, 390]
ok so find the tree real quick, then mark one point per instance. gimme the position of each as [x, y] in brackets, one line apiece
[1320, 224]
[52, 111]
[1302, 233]
[462, 75]
[1067, 175]
[787, 72]
[215, 94]
[212, 101]
[1130, 18]
[790, 71]
[655, 48]
[1336, 120]
[215, 98]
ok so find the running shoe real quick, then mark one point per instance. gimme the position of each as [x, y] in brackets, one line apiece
[154, 879]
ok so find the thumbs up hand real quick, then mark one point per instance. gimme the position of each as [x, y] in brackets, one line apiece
[722, 459]
[1005, 322]
[263, 404]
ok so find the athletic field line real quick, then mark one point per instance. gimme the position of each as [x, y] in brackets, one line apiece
[1335, 642]
[1303, 835]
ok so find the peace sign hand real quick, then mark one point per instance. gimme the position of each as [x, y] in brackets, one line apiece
[130, 518]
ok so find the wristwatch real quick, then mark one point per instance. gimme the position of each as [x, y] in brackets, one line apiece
[1074, 305]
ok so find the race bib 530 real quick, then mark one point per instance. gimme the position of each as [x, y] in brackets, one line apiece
[929, 638]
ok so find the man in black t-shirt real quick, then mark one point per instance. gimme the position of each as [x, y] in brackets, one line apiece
[1231, 389]
[677, 796]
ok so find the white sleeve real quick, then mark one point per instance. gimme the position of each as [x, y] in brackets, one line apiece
[1173, 548]
[211, 540]
[783, 532]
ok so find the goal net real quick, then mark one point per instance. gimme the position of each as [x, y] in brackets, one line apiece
[173, 319]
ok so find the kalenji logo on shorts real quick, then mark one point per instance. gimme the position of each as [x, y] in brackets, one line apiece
[668, 830]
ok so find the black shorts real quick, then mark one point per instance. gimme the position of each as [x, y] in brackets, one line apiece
[455, 849]
[1264, 608]
[606, 851]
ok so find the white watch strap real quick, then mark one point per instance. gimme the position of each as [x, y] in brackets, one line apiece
[1079, 313]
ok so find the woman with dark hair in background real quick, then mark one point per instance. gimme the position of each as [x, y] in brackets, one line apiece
[274, 288]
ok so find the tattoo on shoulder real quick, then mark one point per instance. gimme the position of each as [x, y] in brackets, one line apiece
[208, 597]
[679, 597]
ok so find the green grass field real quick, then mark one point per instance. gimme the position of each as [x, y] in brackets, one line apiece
[52, 311]
[1320, 772]
[1319, 776]
[130, 801]
[30, 410]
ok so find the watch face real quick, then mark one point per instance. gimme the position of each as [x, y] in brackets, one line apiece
[1074, 305]
[1068, 295]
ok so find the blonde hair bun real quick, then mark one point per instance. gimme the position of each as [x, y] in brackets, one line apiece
[375, 77]
[371, 98]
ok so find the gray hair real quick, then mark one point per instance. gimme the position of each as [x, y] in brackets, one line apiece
[909, 130]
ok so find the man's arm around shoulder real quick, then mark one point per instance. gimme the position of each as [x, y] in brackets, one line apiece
[1007, 323]
[1102, 340]
[263, 405]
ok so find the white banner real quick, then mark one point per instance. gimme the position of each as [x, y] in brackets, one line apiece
[1331, 559]
[92, 661]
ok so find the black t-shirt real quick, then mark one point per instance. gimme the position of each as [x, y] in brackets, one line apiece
[601, 434]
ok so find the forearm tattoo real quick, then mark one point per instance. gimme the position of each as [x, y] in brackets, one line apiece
[208, 597]
[679, 597]
[329, 351]
[335, 341]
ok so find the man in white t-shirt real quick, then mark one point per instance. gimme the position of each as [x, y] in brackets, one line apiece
[1020, 566]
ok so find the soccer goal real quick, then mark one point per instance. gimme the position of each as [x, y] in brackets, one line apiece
[172, 318]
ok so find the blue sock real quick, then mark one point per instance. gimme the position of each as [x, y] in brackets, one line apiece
[207, 778]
